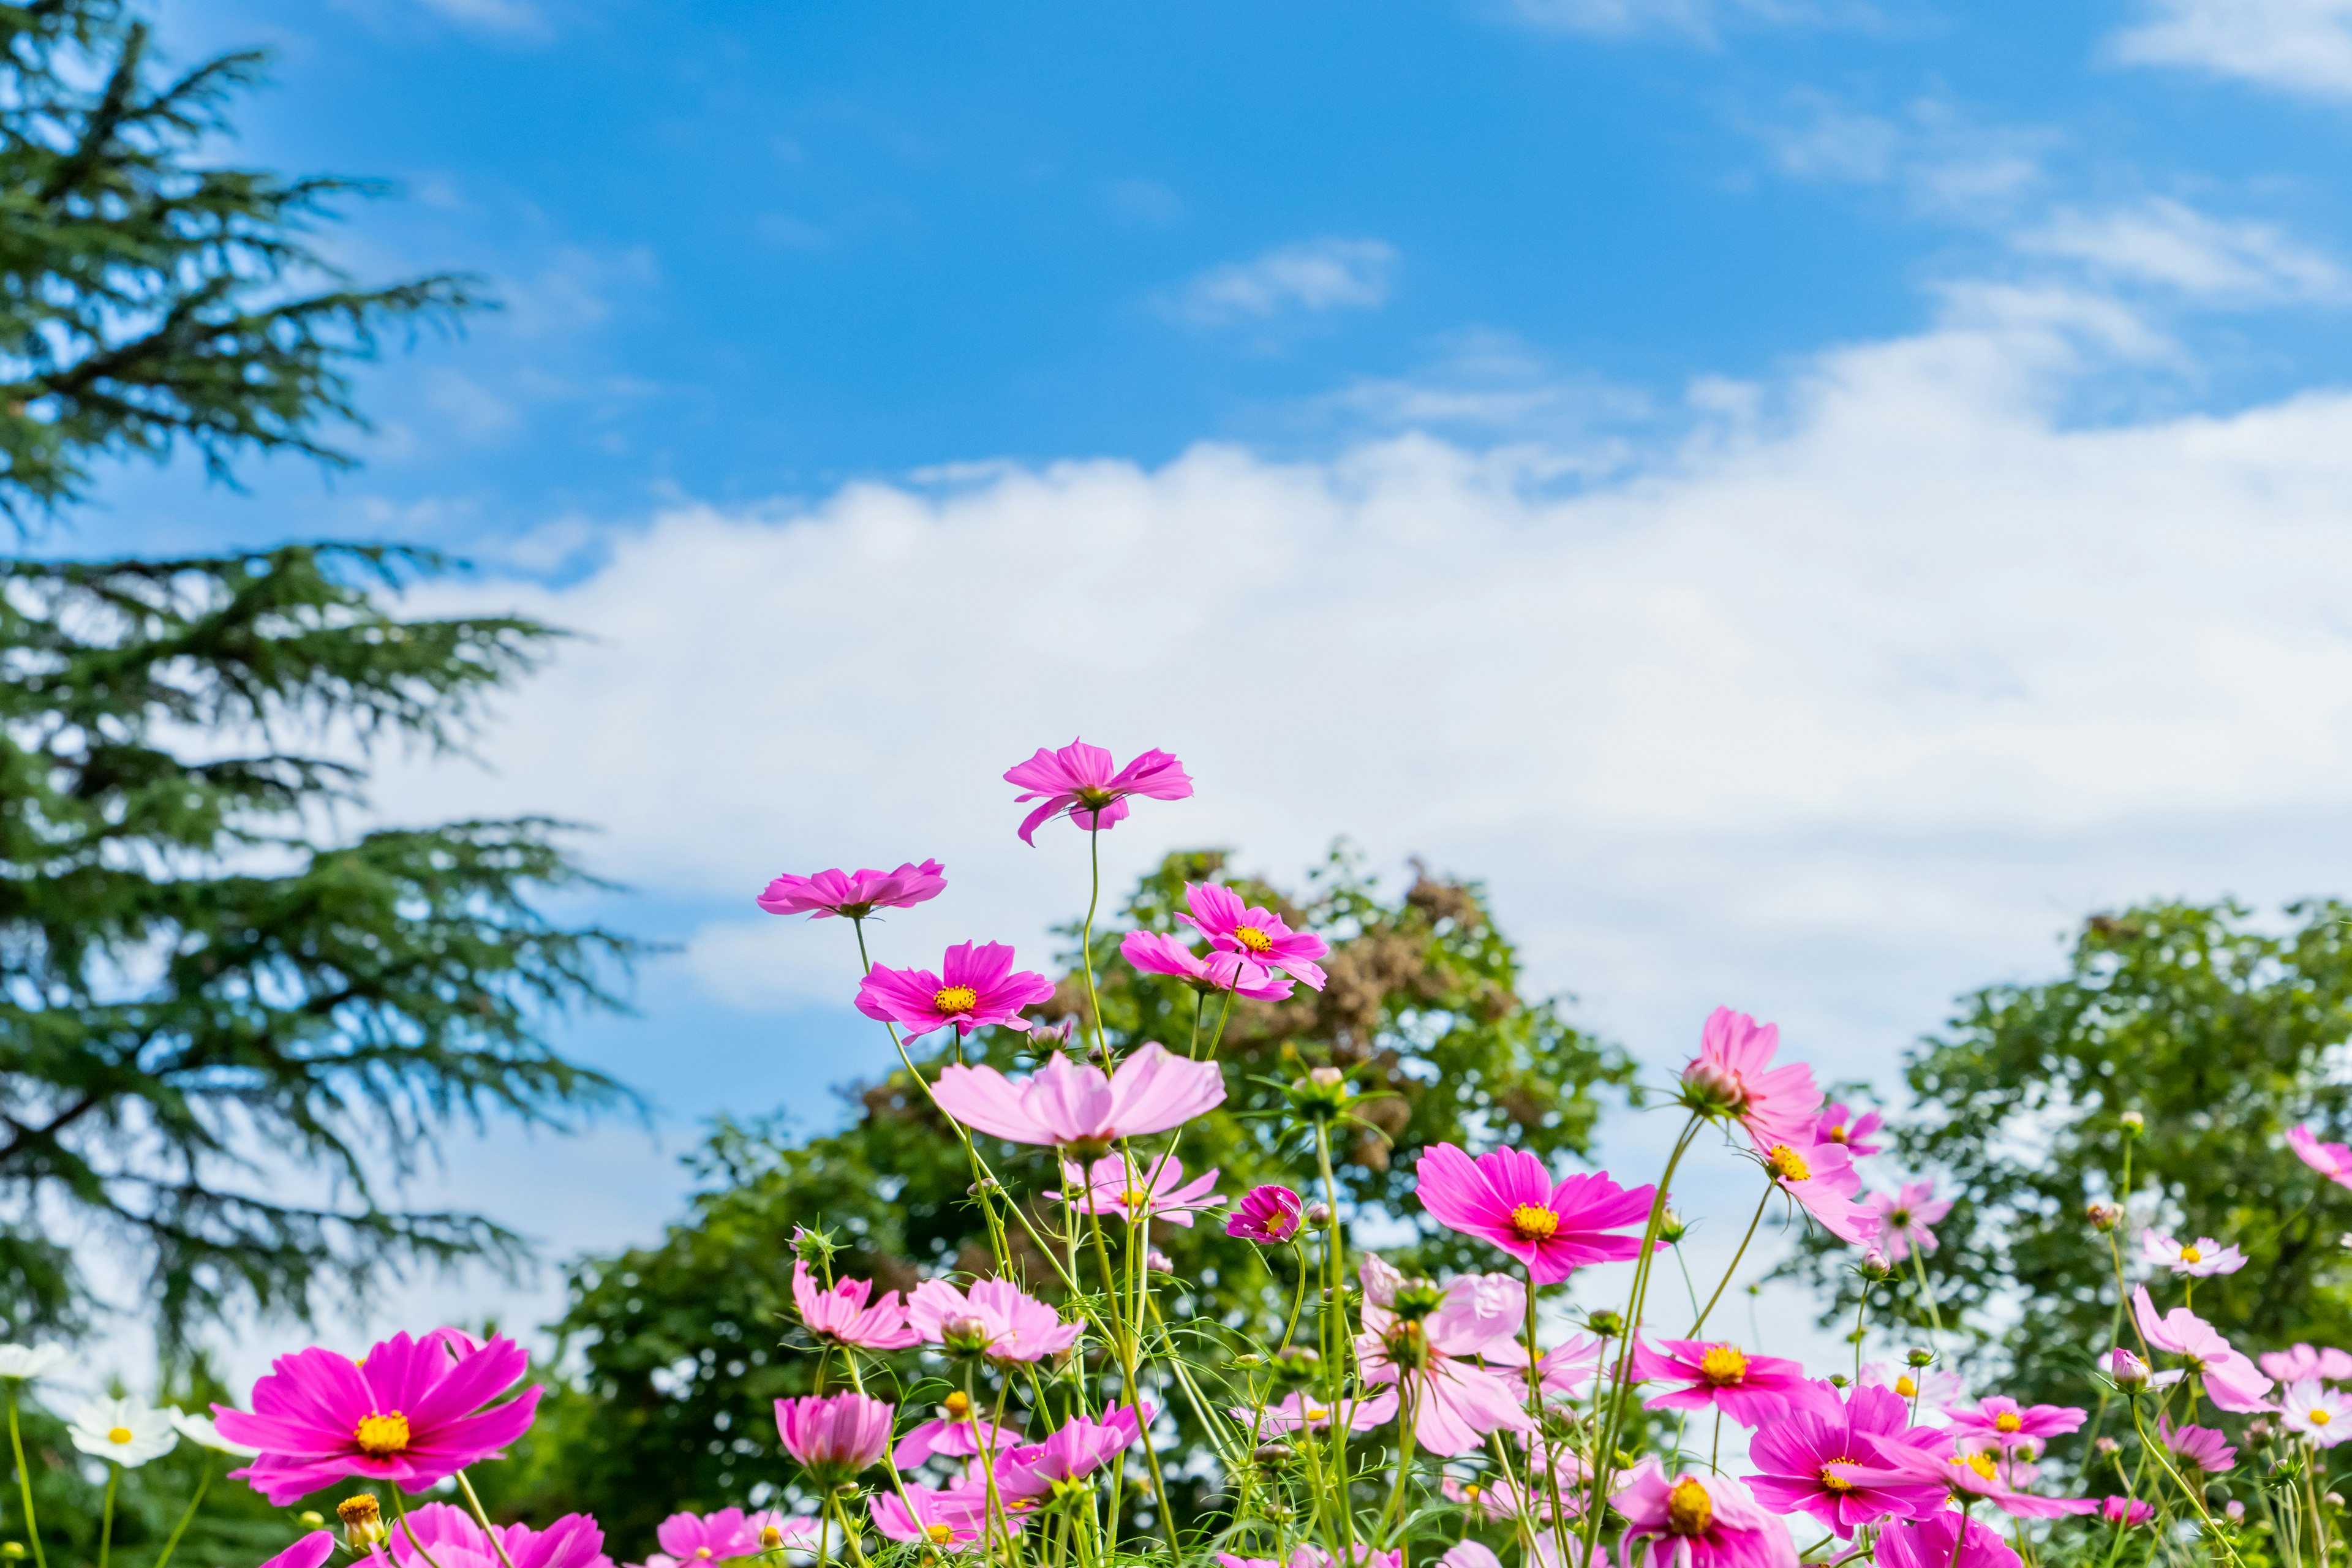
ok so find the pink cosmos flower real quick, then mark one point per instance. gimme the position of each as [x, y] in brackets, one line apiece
[2202, 1447]
[1563, 1371]
[1080, 1447]
[841, 1316]
[1944, 1541]
[1698, 1522]
[1454, 1403]
[2333, 1161]
[1304, 1556]
[836, 1436]
[309, 1552]
[2315, 1411]
[2301, 1360]
[2125, 1510]
[1933, 1387]
[1312, 1411]
[1904, 1218]
[1071, 1106]
[1750, 1389]
[1268, 1214]
[946, 1519]
[855, 894]
[2199, 1259]
[1248, 931]
[686, 1539]
[454, 1540]
[976, 987]
[994, 1320]
[958, 1434]
[1155, 952]
[1079, 779]
[1468, 1554]
[1506, 1197]
[1969, 1475]
[2232, 1382]
[1821, 1177]
[1503, 1496]
[1813, 1458]
[409, 1415]
[1734, 1070]
[1839, 1124]
[1159, 1192]
[2011, 1426]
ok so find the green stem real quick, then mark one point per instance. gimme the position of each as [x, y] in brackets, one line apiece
[25, 1478]
[1724, 1283]
[1087, 935]
[466, 1486]
[106, 1518]
[204, 1483]
[400, 1510]
[1335, 1266]
[1926, 1292]
[2196, 1502]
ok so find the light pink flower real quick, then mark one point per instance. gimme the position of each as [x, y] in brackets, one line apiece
[956, 1437]
[1311, 1410]
[691, 1538]
[2301, 1360]
[2009, 1424]
[1268, 1214]
[1079, 779]
[836, 1436]
[1944, 1541]
[2232, 1382]
[409, 1415]
[1904, 1218]
[855, 894]
[1698, 1522]
[1080, 1447]
[1821, 1177]
[2201, 1446]
[1305, 1556]
[950, 1520]
[841, 1316]
[1509, 1198]
[1750, 1389]
[1467, 1554]
[2317, 1411]
[1248, 932]
[1734, 1070]
[2198, 1258]
[1154, 952]
[976, 987]
[994, 1320]
[1563, 1371]
[1933, 1387]
[1073, 1106]
[1160, 1191]
[1453, 1401]
[2333, 1161]
[1840, 1124]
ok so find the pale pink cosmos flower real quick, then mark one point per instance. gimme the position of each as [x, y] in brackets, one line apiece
[2301, 1360]
[1821, 1177]
[2200, 1446]
[1248, 932]
[2333, 1161]
[952, 1436]
[1455, 1403]
[853, 894]
[1945, 1540]
[1078, 1449]
[1268, 1214]
[1904, 1217]
[995, 1319]
[2131, 1374]
[2009, 1424]
[1467, 1554]
[1079, 779]
[1933, 1387]
[693, 1538]
[946, 1519]
[1734, 1070]
[976, 987]
[2315, 1411]
[1112, 1186]
[836, 1436]
[1564, 1370]
[1155, 952]
[2232, 1382]
[1509, 1198]
[1698, 1522]
[1750, 1389]
[1072, 1106]
[841, 1316]
[2199, 1259]
[1313, 1411]
[1840, 1124]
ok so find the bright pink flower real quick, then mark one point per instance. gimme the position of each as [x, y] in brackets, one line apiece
[409, 1415]
[1811, 1459]
[2315, 1411]
[1160, 1191]
[1154, 952]
[1072, 1106]
[1840, 1124]
[692, 1538]
[2333, 1161]
[2125, 1510]
[1944, 1541]
[1248, 932]
[309, 1552]
[1079, 1449]
[994, 1320]
[855, 894]
[1821, 1177]
[1079, 779]
[2199, 1259]
[841, 1316]
[976, 987]
[2011, 1426]
[2200, 1446]
[1506, 1197]
[2301, 1360]
[1268, 1215]
[1910, 1460]
[955, 1436]
[453, 1539]
[1904, 1218]
[951, 1519]
[1454, 1403]
[2232, 1382]
[1311, 1410]
[1750, 1389]
[1698, 1522]
[836, 1436]
[1734, 1072]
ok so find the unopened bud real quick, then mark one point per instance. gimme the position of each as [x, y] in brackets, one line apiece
[1249, 1359]
[2105, 1446]
[964, 1335]
[12, 1549]
[2134, 1123]
[2234, 1512]
[1917, 1357]
[1159, 1262]
[2130, 1373]
[1299, 1364]
[1875, 1266]
[1271, 1452]
[2258, 1430]
[1838, 1380]
[985, 1184]
[312, 1519]
[814, 1248]
[1318, 1214]
[1326, 1077]
[2103, 1216]
[2333, 1499]
[1606, 1323]
[1416, 1299]
[1670, 1227]
[363, 1519]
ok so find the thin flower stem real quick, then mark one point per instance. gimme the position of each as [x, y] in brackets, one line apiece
[1926, 1292]
[106, 1519]
[204, 1484]
[1223, 1013]
[1534, 1414]
[2194, 1501]
[1723, 1284]
[1859, 1312]
[1335, 1266]
[1405, 1431]
[25, 1478]
[400, 1510]
[1087, 936]
[1124, 1343]
[474, 1502]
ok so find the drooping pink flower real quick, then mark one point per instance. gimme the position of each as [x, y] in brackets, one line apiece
[2333, 1161]
[1079, 779]
[1079, 1448]
[1563, 1371]
[955, 1434]
[947, 1519]
[2315, 1411]
[2199, 1259]
[1944, 1541]
[410, 1414]
[995, 1319]
[1734, 1072]
[1111, 1187]
[1314, 1412]
[1453, 1402]
[1821, 1177]
[1840, 1124]
[853, 894]
[308, 1551]
[1072, 1106]
[1750, 1389]
[1932, 1387]
[2125, 1510]
[976, 987]
[1268, 1214]
[1969, 1475]
[2301, 1360]
[1698, 1522]
[1249, 931]
[1155, 952]
[1904, 1218]
[1811, 1459]
[841, 1316]
[836, 1436]
[2009, 1425]
[1506, 1197]
[2200, 1446]
[2232, 1382]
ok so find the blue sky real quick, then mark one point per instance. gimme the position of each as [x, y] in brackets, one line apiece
[1806, 497]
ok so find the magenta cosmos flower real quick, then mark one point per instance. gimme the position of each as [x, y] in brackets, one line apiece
[1839, 1124]
[1081, 1447]
[2232, 1382]
[1079, 779]
[2333, 1161]
[836, 1436]
[995, 1319]
[690, 1539]
[2009, 1425]
[1969, 1475]
[1250, 932]
[409, 1415]
[1268, 1214]
[1155, 952]
[976, 987]
[1698, 1522]
[1904, 1218]
[1434, 1363]
[1812, 1460]
[1507, 1198]
[452, 1538]
[1112, 1186]
[1733, 1073]
[2201, 1447]
[2301, 1360]
[1944, 1541]
[841, 1316]
[2125, 1510]
[956, 1433]
[853, 894]
[949, 1518]
[1750, 1389]
[308, 1551]
[1822, 1179]
[2199, 1259]
[1068, 1106]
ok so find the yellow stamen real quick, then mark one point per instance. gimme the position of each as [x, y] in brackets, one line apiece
[1689, 1511]
[1906, 1388]
[1253, 938]
[2320, 1418]
[1788, 1164]
[1723, 1365]
[957, 1406]
[1980, 1463]
[1137, 1197]
[2009, 1421]
[2190, 1255]
[1832, 1480]
[1837, 1135]
[1317, 1413]
[118, 1434]
[955, 999]
[702, 1552]
[1533, 1222]
[381, 1436]
[938, 1534]
[1473, 1492]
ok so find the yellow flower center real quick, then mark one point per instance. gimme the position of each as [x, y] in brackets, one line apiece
[1906, 1388]
[957, 1405]
[118, 1434]
[1788, 1164]
[1837, 1133]
[2319, 1419]
[1253, 938]
[1532, 1222]
[2190, 1255]
[1834, 1482]
[1317, 1413]
[938, 1534]
[955, 999]
[1689, 1511]
[1980, 1463]
[1137, 1197]
[1473, 1492]
[381, 1436]
[2009, 1421]
[702, 1552]
[1722, 1364]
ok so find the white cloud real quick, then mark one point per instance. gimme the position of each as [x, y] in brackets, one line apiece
[1943, 161]
[2299, 45]
[1314, 275]
[473, 410]
[2166, 243]
[1693, 18]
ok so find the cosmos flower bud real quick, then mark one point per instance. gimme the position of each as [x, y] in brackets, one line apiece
[1249, 1359]
[2234, 1512]
[1606, 1323]
[1838, 1380]
[1045, 1037]
[2130, 1373]
[1271, 1452]
[964, 1335]
[2103, 1216]
[1918, 1357]
[1416, 1299]
[985, 1184]
[1159, 1262]
[1297, 1364]
[13, 1549]
[813, 1248]
[2105, 1446]
[1326, 1077]
[1672, 1227]
[1322, 1094]
[2134, 1123]
[312, 1519]
[1319, 1215]
[363, 1519]
[1875, 1266]
[2258, 1431]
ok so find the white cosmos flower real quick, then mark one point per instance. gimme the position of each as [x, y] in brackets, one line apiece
[2319, 1412]
[25, 1363]
[199, 1430]
[123, 1430]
